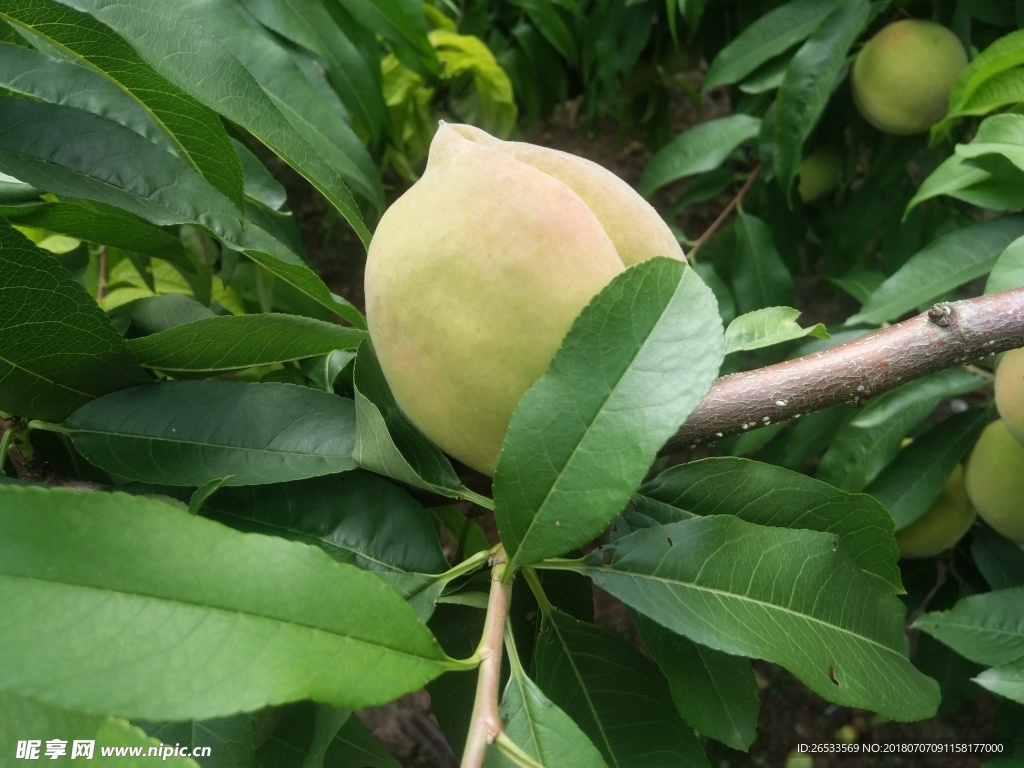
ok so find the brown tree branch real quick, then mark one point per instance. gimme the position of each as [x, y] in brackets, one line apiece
[947, 335]
[691, 255]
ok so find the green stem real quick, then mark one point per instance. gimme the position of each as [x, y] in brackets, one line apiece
[514, 752]
[470, 564]
[485, 723]
[560, 564]
[47, 426]
[480, 500]
[538, 591]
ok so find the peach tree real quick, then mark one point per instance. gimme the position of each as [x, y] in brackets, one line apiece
[219, 526]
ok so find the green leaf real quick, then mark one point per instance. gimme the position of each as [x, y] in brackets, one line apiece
[101, 225]
[72, 83]
[992, 80]
[23, 719]
[231, 740]
[767, 77]
[768, 326]
[248, 620]
[999, 136]
[401, 23]
[309, 736]
[859, 283]
[700, 149]
[545, 17]
[169, 39]
[770, 35]
[615, 695]
[356, 517]
[354, 747]
[190, 432]
[767, 495]
[387, 442]
[467, 533]
[866, 444]
[792, 597]
[714, 692]
[329, 721]
[1006, 680]
[194, 131]
[158, 313]
[946, 263]
[771, 496]
[540, 728]
[759, 276]
[807, 87]
[260, 185]
[466, 54]
[1008, 271]
[324, 370]
[987, 628]
[227, 343]
[636, 362]
[961, 179]
[909, 485]
[988, 171]
[75, 154]
[57, 349]
[356, 79]
[1000, 560]
[326, 130]
[203, 492]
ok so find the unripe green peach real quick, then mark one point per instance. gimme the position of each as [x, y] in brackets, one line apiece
[995, 480]
[475, 275]
[1010, 391]
[903, 75]
[943, 525]
[819, 173]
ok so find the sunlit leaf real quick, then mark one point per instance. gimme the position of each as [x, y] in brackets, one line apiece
[92, 582]
[636, 362]
[768, 326]
[790, 596]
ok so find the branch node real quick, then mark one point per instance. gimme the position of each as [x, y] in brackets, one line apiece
[942, 315]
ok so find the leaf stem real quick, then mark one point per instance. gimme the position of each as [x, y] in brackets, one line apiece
[468, 565]
[481, 501]
[514, 752]
[537, 588]
[47, 426]
[485, 723]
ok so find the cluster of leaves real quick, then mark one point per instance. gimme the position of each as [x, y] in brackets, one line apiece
[245, 539]
[625, 62]
[902, 222]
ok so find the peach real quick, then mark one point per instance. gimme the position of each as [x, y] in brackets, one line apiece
[902, 76]
[475, 275]
[943, 525]
[1010, 391]
[995, 480]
